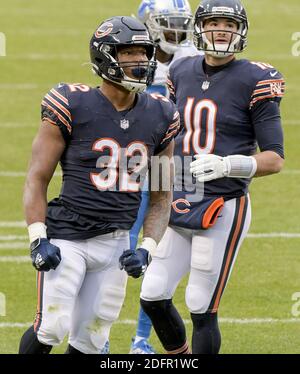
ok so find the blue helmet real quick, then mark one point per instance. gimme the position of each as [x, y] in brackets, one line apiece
[169, 22]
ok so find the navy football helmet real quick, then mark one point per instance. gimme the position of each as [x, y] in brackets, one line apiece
[117, 32]
[168, 21]
[230, 9]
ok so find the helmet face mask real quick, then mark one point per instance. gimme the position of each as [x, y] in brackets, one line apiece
[107, 41]
[231, 10]
[169, 22]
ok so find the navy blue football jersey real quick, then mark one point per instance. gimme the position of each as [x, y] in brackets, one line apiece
[223, 114]
[106, 158]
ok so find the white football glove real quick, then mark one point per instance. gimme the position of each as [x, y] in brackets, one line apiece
[209, 167]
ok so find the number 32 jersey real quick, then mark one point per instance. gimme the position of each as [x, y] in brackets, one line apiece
[106, 157]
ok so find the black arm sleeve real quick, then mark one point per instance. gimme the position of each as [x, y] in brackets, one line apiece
[265, 116]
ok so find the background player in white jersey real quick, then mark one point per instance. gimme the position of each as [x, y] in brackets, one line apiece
[228, 108]
[169, 23]
[104, 141]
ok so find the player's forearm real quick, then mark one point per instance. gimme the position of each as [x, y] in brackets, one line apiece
[158, 215]
[35, 200]
[268, 162]
[47, 149]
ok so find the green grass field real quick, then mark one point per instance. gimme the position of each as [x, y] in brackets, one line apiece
[47, 42]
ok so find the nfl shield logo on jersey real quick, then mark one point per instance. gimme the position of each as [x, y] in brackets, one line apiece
[124, 124]
[205, 85]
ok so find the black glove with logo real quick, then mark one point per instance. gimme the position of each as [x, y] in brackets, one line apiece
[135, 262]
[44, 255]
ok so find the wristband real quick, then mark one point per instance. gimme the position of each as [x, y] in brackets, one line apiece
[150, 245]
[37, 230]
[239, 166]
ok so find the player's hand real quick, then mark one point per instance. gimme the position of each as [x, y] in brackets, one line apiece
[135, 262]
[44, 255]
[209, 167]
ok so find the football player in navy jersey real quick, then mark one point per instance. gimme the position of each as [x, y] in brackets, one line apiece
[229, 107]
[105, 139]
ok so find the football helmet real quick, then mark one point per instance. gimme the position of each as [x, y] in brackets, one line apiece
[112, 34]
[231, 9]
[168, 21]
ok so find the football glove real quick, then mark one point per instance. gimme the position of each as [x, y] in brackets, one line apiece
[209, 167]
[135, 262]
[44, 255]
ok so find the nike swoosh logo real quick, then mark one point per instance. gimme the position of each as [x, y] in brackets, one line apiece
[273, 74]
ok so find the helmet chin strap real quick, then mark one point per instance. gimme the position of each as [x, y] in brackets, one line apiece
[219, 54]
[129, 86]
[133, 87]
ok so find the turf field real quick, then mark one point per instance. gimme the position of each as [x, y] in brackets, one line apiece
[46, 43]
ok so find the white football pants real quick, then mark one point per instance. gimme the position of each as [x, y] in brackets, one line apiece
[84, 295]
[208, 255]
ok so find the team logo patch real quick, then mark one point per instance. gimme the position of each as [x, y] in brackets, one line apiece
[182, 209]
[39, 261]
[276, 88]
[124, 124]
[104, 30]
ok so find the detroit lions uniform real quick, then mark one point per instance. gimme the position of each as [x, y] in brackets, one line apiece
[97, 205]
[159, 84]
[230, 111]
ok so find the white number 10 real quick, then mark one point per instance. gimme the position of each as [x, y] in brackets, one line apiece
[193, 125]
